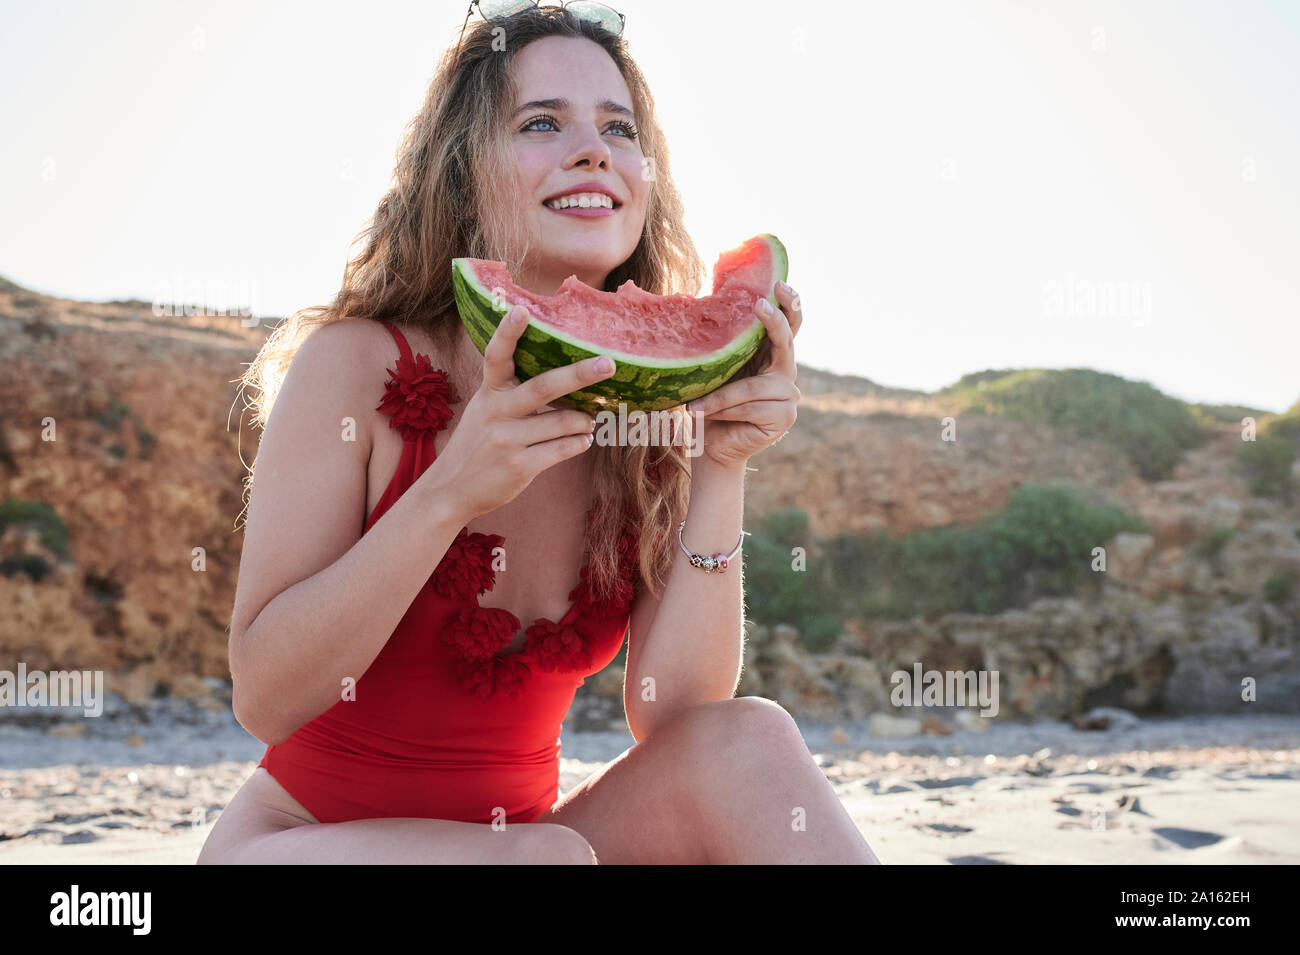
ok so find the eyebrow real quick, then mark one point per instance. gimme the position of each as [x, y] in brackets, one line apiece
[561, 104]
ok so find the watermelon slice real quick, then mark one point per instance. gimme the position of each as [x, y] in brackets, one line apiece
[670, 349]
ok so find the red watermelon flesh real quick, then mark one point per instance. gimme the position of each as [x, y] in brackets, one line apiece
[670, 349]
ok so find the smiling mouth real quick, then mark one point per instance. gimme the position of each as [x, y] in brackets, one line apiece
[614, 205]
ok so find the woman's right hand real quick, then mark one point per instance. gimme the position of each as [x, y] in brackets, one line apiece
[506, 435]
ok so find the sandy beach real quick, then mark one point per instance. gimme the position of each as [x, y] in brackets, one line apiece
[145, 787]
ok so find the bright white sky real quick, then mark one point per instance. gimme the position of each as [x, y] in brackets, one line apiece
[941, 172]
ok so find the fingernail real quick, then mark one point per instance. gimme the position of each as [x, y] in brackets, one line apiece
[604, 364]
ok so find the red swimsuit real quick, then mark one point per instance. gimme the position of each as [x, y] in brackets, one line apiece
[444, 725]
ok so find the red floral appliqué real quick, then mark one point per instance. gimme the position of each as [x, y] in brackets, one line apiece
[466, 569]
[476, 636]
[417, 397]
[477, 633]
[497, 676]
[556, 646]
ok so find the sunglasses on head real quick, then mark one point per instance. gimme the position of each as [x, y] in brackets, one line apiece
[597, 13]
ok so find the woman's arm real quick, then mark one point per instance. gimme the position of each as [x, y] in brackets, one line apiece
[693, 646]
[693, 651]
[290, 664]
[316, 601]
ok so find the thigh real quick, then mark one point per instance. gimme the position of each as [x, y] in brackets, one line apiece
[264, 825]
[644, 806]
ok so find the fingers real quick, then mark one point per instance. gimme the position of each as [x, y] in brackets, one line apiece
[789, 300]
[734, 393]
[764, 414]
[782, 335]
[499, 356]
[549, 425]
[558, 382]
[540, 390]
[539, 457]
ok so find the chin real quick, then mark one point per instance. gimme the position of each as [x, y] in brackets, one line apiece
[583, 265]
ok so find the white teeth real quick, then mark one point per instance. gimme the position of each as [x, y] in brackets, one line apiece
[585, 200]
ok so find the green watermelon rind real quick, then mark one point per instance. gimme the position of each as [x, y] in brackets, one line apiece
[641, 383]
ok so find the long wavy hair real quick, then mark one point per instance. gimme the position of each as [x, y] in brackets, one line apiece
[453, 194]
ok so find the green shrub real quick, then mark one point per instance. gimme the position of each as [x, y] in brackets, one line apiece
[1150, 428]
[1266, 465]
[977, 379]
[110, 418]
[857, 564]
[776, 592]
[1040, 545]
[820, 631]
[1266, 462]
[54, 533]
[111, 415]
[1212, 543]
[1278, 588]
[1224, 414]
[1285, 425]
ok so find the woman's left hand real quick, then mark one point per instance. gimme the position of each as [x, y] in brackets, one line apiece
[743, 417]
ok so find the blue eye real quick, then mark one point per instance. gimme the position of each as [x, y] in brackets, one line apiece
[627, 127]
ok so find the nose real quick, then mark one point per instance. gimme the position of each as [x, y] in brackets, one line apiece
[590, 147]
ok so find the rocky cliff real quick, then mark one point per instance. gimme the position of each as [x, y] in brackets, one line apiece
[123, 458]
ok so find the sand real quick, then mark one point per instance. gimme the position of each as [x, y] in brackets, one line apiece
[1187, 791]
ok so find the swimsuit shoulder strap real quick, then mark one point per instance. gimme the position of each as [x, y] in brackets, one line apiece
[402, 346]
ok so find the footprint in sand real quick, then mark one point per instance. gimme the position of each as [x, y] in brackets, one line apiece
[945, 829]
[1188, 838]
[949, 782]
[1133, 804]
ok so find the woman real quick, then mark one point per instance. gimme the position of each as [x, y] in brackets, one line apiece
[409, 719]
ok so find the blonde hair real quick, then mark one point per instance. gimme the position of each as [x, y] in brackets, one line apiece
[452, 195]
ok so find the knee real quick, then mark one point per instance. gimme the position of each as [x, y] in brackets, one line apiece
[761, 713]
[749, 716]
[217, 846]
[553, 844]
[216, 851]
[745, 727]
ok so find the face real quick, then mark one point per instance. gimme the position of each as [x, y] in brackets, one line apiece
[559, 146]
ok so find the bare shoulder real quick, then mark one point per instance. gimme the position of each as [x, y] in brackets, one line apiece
[351, 341]
[361, 351]
[345, 362]
[372, 338]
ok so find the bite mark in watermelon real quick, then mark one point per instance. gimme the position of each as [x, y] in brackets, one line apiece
[669, 349]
